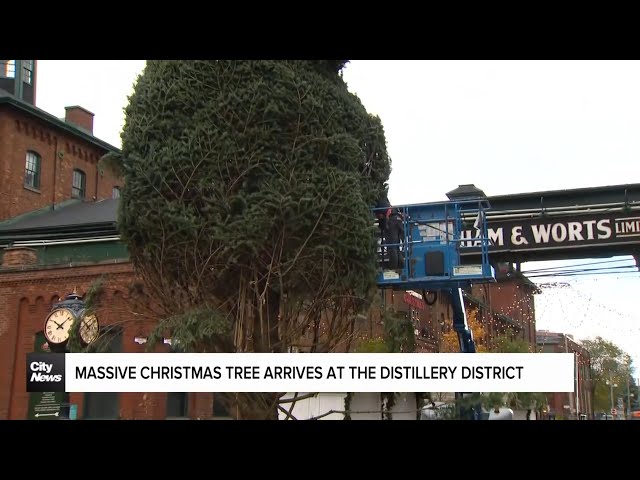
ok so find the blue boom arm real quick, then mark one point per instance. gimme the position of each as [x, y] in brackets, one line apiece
[420, 248]
[460, 326]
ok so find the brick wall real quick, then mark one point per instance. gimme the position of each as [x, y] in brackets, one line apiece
[582, 403]
[19, 256]
[515, 299]
[60, 154]
[425, 318]
[26, 296]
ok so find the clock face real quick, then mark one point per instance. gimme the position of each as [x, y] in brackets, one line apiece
[57, 326]
[89, 329]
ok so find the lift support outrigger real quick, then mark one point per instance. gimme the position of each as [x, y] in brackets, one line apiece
[429, 255]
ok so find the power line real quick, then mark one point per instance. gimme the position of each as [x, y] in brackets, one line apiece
[545, 269]
[585, 271]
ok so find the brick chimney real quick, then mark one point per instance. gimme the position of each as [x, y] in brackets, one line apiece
[79, 117]
[19, 257]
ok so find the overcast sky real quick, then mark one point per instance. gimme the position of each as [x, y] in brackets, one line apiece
[505, 126]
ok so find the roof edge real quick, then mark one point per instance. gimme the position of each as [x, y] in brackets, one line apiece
[47, 117]
[569, 191]
[38, 212]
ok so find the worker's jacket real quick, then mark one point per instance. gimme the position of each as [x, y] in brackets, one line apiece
[394, 231]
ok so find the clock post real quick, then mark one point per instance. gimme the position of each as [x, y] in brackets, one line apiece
[67, 315]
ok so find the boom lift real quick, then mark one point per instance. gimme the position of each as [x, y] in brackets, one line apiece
[426, 256]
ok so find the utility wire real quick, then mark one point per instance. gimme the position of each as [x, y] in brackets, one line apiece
[579, 270]
[569, 274]
[545, 269]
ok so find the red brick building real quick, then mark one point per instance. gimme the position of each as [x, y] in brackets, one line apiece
[580, 402]
[58, 233]
[45, 160]
[508, 306]
[503, 308]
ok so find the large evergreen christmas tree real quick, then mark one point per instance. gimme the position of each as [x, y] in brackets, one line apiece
[246, 206]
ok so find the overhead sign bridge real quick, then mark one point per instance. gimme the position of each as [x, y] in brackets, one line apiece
[447, 246]
[561, 224]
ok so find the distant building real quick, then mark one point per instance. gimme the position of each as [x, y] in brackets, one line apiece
[580, 402]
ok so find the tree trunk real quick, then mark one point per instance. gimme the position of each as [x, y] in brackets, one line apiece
[257, 406]
[262, 406]
[273, 321]
[266, 317]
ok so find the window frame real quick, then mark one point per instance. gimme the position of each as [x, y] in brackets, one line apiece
[218, 410]
[37, 173]
[27, 71]
[83, 188]
[183, 400]
[9, 69]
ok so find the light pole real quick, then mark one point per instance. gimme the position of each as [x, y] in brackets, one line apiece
[611, 364]
[629, 397]
[627, 374]
[611, 385]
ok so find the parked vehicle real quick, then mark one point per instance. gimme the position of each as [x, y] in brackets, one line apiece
[437, 411]
[444, 411]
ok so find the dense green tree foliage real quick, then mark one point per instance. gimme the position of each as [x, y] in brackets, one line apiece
[611, 375]
[246, 206]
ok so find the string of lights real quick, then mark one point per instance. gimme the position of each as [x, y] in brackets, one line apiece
[577, 305]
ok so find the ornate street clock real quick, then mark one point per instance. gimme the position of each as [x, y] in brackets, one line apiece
[57, 327]
[65, 315]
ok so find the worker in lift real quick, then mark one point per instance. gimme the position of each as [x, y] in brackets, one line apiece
[380, 212]
[391, 232]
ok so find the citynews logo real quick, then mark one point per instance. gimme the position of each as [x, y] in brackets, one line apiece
[45, 372]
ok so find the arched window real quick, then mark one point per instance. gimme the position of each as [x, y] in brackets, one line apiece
[79, 189]
[32, 170]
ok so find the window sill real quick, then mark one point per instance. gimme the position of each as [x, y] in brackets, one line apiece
[31, 189]
[177, 418]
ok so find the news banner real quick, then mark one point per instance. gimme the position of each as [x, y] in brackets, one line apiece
[295, 372]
